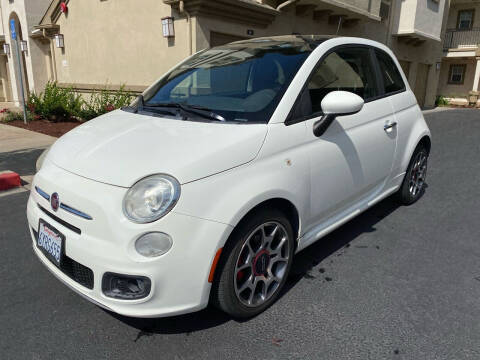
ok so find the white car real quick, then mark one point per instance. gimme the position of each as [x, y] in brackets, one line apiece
[204, 189]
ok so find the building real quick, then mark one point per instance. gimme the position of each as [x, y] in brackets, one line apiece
[460, 72]
[90, 44]
[33, 57]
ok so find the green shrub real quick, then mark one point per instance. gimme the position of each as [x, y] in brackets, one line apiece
[64, 104]
[441, 101]
[15, 115]
[52, 104]
[104, 101]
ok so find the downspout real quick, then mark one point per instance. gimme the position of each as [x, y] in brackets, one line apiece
[189, 20]
[286, 3]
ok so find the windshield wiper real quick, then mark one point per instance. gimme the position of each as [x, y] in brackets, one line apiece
[195, 109]
[141, 106]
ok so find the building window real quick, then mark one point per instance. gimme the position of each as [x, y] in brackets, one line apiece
[457, 74]
[465, 19]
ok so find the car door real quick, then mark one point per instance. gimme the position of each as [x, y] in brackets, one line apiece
[351, 161]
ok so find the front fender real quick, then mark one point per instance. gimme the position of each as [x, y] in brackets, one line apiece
[229, 196]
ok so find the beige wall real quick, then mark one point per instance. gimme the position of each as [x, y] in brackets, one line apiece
[453, 15]
[372, 6]
[421, 17]
[285, 23]
[104, 45]
[29, 13]
[429, 53]
[118, 42]
[458, 91]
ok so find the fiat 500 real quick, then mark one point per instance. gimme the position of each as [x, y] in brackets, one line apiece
[202, 190]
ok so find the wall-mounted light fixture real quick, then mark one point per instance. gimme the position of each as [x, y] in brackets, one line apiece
[24, 46]
[6, 49]
[168, 27]
[59, 41]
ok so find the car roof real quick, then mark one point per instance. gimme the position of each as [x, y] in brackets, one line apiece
[306, 42]
[318, 39]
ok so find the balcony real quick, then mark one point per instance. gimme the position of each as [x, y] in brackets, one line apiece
[461, 39]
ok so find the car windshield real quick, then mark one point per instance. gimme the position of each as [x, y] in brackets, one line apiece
[240, 82]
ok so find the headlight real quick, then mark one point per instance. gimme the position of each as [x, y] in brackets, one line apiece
[151, 198]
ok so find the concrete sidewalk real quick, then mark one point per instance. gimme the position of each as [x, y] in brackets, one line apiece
[14, 139]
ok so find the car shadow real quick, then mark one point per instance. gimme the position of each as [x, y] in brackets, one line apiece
[303, 262]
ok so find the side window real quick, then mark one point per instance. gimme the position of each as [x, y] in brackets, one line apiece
[392, 80]
[348, 69]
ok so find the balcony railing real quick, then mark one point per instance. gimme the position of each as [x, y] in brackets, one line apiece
[461, 38]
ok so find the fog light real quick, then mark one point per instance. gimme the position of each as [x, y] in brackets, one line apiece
[153, 244]
[125, 287]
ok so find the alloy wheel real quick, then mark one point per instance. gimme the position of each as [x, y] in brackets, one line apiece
[418, 174]
[262, 264]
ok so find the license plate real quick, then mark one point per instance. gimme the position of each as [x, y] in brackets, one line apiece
[50, 241]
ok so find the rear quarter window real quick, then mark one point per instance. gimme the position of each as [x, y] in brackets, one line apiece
[392, 79]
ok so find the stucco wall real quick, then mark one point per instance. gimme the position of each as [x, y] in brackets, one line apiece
[118, 42]
[101, 49]
[367, 5]
[29, 13]
[288, 23]
[37, 56]
[423, 17]
[451, 90]
[453, 14]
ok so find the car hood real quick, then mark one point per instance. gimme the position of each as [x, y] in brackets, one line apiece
[120, 148]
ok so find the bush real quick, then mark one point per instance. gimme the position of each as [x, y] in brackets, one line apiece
[64, 104]
[14, 115]
[52, 104]
[441, 101]
[105, 101]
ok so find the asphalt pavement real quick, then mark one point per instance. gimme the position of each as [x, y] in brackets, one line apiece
[394, 283]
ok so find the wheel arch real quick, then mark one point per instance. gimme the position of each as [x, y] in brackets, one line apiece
[279, 203]
[425, 141]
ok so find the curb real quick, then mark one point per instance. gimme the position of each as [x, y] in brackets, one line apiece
[9, 180]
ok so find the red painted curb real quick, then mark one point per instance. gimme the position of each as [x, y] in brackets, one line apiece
[9, 180]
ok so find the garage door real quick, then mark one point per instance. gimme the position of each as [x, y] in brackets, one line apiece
[217, 39]
[420, 89]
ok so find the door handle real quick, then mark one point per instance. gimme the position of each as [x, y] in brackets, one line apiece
[389, 125]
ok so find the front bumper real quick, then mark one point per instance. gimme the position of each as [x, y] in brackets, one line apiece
[106, 244]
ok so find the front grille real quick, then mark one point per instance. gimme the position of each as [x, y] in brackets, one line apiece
[74, 270]
[60, 221]
[78, 272]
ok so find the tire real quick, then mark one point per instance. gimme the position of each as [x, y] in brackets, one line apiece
[413, 185]
[254, 262]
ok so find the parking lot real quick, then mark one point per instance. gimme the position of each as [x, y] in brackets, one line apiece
[394, 283]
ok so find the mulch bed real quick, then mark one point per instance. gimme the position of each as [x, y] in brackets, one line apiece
[46, 127]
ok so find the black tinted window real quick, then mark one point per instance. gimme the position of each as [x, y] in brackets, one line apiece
[348, 69]
[392, 80]
[240, 82]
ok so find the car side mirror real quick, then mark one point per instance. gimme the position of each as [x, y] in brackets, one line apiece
[337, 103]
